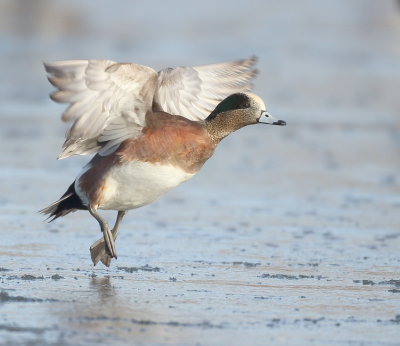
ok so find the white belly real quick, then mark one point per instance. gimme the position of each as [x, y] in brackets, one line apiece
[135, 184]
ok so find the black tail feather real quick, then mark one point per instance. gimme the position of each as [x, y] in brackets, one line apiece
[69, 202]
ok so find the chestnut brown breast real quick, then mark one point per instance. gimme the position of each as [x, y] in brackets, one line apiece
[169, 139]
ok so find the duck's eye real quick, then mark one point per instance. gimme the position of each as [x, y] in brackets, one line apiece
[265, 114]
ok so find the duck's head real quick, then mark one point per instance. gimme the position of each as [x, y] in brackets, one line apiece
[236, 111]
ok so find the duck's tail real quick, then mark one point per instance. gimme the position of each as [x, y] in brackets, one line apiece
[69, 202]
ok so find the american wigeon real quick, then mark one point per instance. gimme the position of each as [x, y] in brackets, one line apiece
[151, 131]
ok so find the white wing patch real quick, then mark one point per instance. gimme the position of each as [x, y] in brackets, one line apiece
[101, 93]
[194, 92]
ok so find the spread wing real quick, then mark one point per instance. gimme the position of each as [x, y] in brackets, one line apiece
[194, 92]
[107, 102]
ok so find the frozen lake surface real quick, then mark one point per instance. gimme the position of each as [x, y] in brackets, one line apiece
[288, 236]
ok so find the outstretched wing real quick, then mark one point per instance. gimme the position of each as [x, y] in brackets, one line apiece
[194, 92]
[108, 101]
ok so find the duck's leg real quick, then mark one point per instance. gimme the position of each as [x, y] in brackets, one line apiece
[98, 250]
[115, 229]
[107, 235]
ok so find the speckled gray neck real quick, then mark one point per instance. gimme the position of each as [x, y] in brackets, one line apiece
[224, 123]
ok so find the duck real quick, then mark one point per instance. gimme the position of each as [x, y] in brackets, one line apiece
[149, 131]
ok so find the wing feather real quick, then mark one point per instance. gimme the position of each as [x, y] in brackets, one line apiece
[99, 93]
[193, 92]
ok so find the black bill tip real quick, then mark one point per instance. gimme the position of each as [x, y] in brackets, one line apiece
[280, 123]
